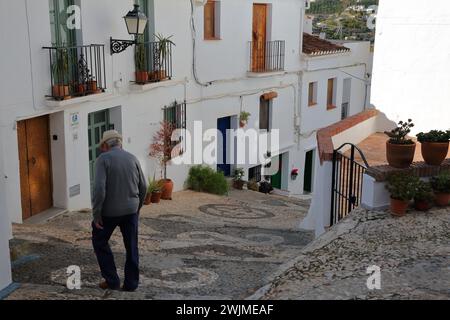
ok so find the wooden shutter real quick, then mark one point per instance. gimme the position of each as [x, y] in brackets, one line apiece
[311, 101]
[330, 93]
[264, 114]
[209, 20]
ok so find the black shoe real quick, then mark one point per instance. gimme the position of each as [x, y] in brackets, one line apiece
[125, 289]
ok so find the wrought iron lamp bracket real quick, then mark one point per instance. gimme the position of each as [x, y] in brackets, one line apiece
[118, 46]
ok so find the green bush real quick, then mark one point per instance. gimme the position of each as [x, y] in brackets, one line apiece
[205, 179]
[434, 136]
[441, 183]
[403, 186]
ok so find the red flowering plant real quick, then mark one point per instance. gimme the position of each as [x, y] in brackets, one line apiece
[162, 146]
[294, 172]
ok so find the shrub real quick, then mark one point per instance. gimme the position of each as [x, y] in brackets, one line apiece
[441, 183]
[238, 174]
[424, 192]
[434, 136]
[400, 134]
[402, 186]
[205, 179]
[154, 185]
[253, 185]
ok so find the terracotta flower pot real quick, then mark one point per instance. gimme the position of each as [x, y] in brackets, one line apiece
[242, 123]
[434, 153]
[156, 197]
[239, 185]
[92, 86]
[157, 75]
[148, 199]
[422, 205]
[400, 155]
[81, 88]
[167, 190]
[399, 207]
[141, 77]
[442, 199]
[60, 91]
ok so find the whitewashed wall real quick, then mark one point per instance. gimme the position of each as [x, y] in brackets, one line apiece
[410, 76]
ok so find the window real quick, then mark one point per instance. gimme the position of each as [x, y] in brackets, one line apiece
[264, 114]
[331, 94]
[312, 94]
[211, 20]
[60, 34]
[176, 115]
[254, 174]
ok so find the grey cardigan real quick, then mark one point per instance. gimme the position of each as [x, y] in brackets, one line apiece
[120, 186]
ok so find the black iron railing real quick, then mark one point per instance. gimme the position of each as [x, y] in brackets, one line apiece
[153, 62]
[77, 71]
[267, 56]
[347, 182]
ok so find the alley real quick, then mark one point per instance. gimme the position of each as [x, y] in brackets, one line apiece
[197, 246]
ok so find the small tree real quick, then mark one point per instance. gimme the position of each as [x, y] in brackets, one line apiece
[161, 147]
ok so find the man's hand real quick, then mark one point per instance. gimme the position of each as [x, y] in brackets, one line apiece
[98, 224]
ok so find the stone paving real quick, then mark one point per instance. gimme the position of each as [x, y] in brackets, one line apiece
[413, 253]
[197, 246]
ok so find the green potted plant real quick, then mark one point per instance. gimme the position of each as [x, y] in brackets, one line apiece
[243, 118]
[402, 187]
[161, 149]
[400, 149]
[253, 185]
[441, 187]
[162, 50]
[155, 190]
[435, 146]
[238, 183]
[140, 64]
[424, 196]
[60, 72]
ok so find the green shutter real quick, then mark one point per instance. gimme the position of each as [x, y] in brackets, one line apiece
[61, 35]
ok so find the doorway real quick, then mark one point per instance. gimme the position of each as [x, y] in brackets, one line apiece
[309, 169]
[223, 125]
[276, 179]
[35, 166]
[98, 123]
[259, 37]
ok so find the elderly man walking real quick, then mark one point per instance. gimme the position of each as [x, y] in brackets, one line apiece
[119, 193]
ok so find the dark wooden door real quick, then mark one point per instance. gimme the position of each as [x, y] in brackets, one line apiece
[309, 163]
[35, 166]
[223, 125]
[259, 37]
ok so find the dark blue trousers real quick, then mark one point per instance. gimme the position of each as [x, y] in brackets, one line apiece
[100, 241]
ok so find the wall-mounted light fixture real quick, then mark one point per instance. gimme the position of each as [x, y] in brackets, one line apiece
[136, 21]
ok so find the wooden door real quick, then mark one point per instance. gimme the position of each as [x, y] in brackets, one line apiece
[276, 180]
[309, 167]
[223, 125]
[35, 166]
[259, 37]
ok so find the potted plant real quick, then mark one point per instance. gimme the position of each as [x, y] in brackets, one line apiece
[253, 185]
[60, 72]
[435, 146]
[402, 187]
[141, 72]
[441, 187]
[243, 118]
[424, 196]
[400, 149]
[155, 190]
[161, 51]
[238, 183]
[161, 149]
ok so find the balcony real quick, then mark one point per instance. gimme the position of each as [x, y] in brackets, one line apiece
[153, 62]
[267, 56]
[76, 71]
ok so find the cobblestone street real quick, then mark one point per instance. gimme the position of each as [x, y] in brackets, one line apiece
[413, 253]
[197, 246]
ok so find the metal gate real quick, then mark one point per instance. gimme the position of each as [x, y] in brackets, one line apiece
[347, 180]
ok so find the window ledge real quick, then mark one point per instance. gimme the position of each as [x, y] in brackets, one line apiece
[92, 97]
[251, 74]
[312, 104]
[331, 107]
[213, 39]
[153, 85]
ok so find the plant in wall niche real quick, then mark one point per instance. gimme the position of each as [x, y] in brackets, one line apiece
[238, 183]
[402, 187]
[243, 118]
[434, 146]
[400, 148]
[424, 196]
[441, 187]
[161, 149]
[294, 173]
[161, 51]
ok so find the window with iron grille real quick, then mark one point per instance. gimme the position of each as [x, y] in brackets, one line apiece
[175, 114]
[254, 174]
